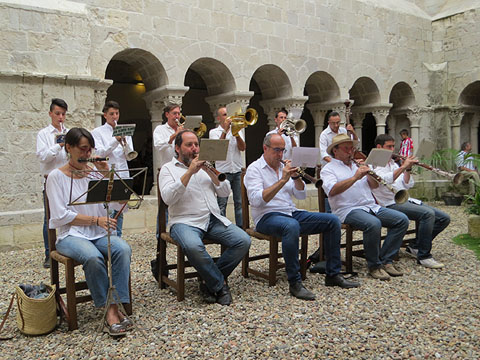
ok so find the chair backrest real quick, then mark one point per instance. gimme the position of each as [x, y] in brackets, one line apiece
[245, 204]
[52, 233]
[162, 207]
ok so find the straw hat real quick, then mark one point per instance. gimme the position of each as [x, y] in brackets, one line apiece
[340, 139]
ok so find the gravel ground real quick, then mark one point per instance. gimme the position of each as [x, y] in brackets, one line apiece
[424, 314]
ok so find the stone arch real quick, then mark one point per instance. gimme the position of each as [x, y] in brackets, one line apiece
[401, 96]
[364, 92]
[217, 77]
[148, 67]
[205, 77]
[135, 71]
[470, 95]
[272, 81]
[321, 87]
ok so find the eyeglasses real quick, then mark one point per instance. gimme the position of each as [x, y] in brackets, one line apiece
[278, 150]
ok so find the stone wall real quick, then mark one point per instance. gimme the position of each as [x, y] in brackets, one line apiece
[62, 49]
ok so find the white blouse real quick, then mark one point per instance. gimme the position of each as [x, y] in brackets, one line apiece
[62, 214]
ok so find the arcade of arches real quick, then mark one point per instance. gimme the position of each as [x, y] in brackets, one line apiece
[141, 87]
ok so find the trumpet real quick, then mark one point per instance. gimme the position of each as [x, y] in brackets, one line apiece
[60, 137]
[130, 154]
[200, 130]
[401, 196]
[291, 126]
[210, 167]
[240, 121]
[457, 178]
[305, 176]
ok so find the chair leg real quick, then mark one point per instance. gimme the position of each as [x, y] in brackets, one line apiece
[348, 251]
[162, 263]
[273, 262]
[245, 264]
[180, 274]
[303, 257]
[320, 247]
[71, 298]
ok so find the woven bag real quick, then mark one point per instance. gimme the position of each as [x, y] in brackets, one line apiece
[36, 316]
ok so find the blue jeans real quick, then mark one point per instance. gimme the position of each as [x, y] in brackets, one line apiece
[92, 254]
[119, 222]
[235, 240]
[45, 227]
[235, 180]
[431, 222]
[371, 225]
[289, 228]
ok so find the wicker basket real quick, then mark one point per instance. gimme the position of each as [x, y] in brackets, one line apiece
[36, 316]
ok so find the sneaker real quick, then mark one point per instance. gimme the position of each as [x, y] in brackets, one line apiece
[46, 263]
[430, 263]
[379, 274]
[299, 291]
[392, 270]
[411, 251]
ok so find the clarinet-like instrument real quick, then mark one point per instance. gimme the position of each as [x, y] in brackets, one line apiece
[401, 196]
[305, 176]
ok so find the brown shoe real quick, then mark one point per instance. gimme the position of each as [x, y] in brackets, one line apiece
[379, 274]
[392, 270]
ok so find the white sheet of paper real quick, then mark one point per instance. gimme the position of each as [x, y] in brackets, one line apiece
[234, 108]
[124, 130]
[379, 157]
[306, 157]
[192, 121]
[425, 150]
[213, 149]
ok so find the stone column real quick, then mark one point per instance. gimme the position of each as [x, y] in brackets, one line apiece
[358, 121]
[216, 101]
[414, 115]
[156, 100]
[100, 95]
[474, 132]
[318, 112]
[456, 117]
[380, 116]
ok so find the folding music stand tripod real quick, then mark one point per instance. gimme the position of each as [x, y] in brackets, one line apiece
[97, 194]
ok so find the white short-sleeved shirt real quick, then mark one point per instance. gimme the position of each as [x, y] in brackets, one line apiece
[50, 154]
[357, 196]
[234, 161]
[161, 136]
[325, 140]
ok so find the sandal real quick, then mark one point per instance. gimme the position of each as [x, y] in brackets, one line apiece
[114, 330]
[126, 323]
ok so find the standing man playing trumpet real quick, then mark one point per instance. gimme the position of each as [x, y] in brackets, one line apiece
[270, 186]
[431, 221]
[50, 144]
[232, 166]
[190, 190]
[113, 147]
[349, 192]
[164, 135]
[290, 141]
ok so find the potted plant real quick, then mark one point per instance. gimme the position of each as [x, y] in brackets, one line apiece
[474, 213]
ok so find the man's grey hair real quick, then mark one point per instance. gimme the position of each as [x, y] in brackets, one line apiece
[267, 140]
[217, 112]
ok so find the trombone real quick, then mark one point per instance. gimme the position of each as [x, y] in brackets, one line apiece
[240, 121]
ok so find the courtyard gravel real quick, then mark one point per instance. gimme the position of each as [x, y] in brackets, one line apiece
[423, 315]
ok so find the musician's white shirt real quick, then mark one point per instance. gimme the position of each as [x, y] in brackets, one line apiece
[50, 154]
[325, 140]
[234, 161]
[107, 145]
[287, 155]
[384, 196]
[161, 136]
[62, 214]
[193, 204]
[260, 176]
[357, 196]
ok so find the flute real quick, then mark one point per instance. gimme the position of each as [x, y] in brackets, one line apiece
[93, 159]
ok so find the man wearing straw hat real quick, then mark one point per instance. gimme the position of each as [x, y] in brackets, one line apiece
[349, 192]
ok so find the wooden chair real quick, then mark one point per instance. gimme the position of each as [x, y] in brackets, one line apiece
[350, 245]
[71, 285]
[164, 268]
[273, 254]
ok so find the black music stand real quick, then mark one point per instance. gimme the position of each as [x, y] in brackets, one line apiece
[105, 189]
